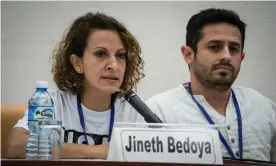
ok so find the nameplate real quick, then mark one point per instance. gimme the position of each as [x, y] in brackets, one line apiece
[165, 145]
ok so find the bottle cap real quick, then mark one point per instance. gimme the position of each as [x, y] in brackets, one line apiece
[41, 84]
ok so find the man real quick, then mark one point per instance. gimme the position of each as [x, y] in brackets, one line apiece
[214, 52]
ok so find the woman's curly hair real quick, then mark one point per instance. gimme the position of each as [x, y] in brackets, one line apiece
[74, 42]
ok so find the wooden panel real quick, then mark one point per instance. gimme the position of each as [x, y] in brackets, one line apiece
[10, 114]
[108, 163]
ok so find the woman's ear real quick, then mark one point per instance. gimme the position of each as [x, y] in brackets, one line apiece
[77, 63]
[188, 54]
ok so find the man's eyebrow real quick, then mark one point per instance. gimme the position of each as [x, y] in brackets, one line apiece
[237, 44]
[215, 41]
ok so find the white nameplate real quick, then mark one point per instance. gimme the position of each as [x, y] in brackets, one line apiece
[197, 145]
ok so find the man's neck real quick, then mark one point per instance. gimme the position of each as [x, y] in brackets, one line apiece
[218, 99]
[95, 100]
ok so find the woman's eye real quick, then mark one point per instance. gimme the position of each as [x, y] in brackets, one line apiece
[214, 47]
[121, 55]
[100, 53]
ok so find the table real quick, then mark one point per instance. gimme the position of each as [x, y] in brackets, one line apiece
[83, 162]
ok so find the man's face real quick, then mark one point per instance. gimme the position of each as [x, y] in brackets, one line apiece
[219, 55]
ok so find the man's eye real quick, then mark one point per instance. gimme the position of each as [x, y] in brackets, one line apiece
[234, 49]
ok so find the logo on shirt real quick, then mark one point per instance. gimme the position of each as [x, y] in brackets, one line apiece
[73, 136]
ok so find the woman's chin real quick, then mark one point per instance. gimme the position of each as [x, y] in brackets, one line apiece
[110, 90]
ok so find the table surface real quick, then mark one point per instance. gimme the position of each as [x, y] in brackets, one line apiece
[89, 162]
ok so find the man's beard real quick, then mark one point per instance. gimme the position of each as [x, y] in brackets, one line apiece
[222, 82]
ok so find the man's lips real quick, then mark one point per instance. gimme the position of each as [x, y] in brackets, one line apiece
[230, 68]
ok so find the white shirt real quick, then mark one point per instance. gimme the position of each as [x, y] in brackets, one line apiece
[96, 123]
[258, 119]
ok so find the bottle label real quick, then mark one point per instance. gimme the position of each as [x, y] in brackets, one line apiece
[39, 113]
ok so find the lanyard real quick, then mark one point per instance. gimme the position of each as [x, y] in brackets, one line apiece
[82, 119]
[222, 139]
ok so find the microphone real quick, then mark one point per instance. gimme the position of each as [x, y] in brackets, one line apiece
[141, 107]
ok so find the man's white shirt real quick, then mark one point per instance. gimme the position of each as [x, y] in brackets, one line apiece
[258, 115]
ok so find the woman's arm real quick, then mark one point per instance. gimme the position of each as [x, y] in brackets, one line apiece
[17, 142]
[69, 150]
[18, 138]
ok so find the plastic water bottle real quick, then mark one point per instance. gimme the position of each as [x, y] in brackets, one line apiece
[41, 108]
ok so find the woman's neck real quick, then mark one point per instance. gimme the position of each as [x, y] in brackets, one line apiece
[95, 100]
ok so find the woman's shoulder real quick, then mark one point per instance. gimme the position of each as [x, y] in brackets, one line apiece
[125, 112]
[122, 104]
[63, 99]
[57, 93]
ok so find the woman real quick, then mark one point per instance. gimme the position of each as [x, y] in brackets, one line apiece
[95, 64]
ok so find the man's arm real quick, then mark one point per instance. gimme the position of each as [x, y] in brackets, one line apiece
[273, 142]
[273, 149]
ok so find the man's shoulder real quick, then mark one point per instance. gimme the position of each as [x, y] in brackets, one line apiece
[168, 95]
[249, 93]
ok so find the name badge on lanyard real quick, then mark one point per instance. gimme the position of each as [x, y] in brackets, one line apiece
[83, 123]
[222, 139]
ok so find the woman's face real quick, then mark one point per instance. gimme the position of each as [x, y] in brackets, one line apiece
[104, 62]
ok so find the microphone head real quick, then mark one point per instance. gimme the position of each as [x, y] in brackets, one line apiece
[129, 95]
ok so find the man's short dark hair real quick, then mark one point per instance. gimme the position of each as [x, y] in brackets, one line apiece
[211, 16]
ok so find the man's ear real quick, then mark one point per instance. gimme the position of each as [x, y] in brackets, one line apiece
[243, 55]
[188, 54]
[77, 63]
